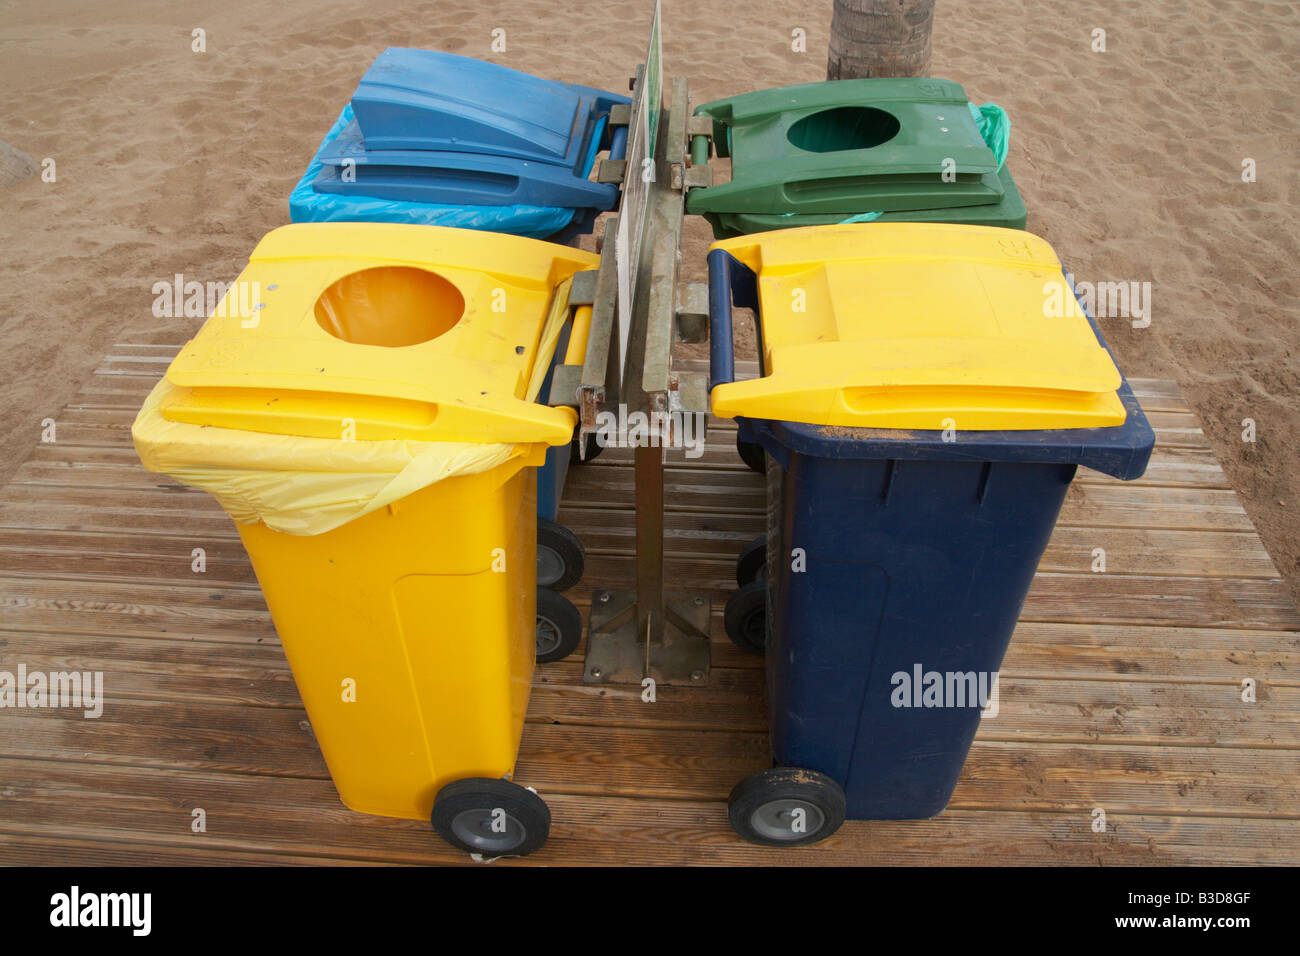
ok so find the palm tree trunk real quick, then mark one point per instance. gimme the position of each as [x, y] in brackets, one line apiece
[880, 38]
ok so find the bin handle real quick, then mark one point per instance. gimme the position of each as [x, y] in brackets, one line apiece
[730, 283]
[722, 358]
[618, 143]
[580, 329]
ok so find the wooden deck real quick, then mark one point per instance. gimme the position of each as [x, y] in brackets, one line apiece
[1122, 690]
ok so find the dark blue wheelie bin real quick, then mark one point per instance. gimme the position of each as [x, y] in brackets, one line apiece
[898, 556]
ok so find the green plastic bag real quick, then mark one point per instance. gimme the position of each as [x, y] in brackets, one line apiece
[995, 128]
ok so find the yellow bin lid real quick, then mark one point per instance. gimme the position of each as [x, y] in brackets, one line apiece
[379, 331]
[904, 325]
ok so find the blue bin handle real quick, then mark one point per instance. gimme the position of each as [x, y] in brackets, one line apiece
[731, 282]
[618, 143]
[722, 358]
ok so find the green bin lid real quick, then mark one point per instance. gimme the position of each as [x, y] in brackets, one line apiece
[849, 146]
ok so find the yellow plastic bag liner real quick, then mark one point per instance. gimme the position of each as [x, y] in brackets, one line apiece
[906, 325]
[298, 416]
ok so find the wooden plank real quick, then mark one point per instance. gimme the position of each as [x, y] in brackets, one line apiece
[34, 846]
[1060, 596]
[95, 556]
[105, 554]
[1262, 603]
[1049, 710]
[168, 668]
[1265, 604]
[236, 615]
[1115, 652]
[671, 764]
[161, 670]
[167, 508]
[277, 740]
[303, 817]
[170, 335]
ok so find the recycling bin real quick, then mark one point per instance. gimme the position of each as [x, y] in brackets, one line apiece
[440, 139]
[897, 150]
[371, 421]
[434, 138]
[924, 412]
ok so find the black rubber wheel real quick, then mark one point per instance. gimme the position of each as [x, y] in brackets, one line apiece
[745, 617]
[560, 556]
[559, 626]
[591, 447]
[786, 806]
[752, 563]
[752, 454]
[493, 818]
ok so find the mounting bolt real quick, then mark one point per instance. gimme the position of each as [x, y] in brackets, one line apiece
[697, 675]
[699, 601]
[595, 672]
[604, 596]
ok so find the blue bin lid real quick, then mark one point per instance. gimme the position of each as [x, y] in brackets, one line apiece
[469, 179]
[426, 100]
[433, 127]
[1121, 451]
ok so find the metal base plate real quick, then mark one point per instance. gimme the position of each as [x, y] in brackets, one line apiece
[616, 654]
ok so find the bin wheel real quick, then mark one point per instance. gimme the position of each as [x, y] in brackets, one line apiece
[560, 556]
[786, 806]
[591, 447]
[752, 563]
[745, 617]
[752, 454]
[559, 626]
[491, 817]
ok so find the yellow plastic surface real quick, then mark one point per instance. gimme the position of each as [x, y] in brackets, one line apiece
[411, 634]
[377, 441]
[308, 485]
[904, 325]
[577, 351]
[405, 332]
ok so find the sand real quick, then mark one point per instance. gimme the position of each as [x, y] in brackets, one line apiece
[170, 161]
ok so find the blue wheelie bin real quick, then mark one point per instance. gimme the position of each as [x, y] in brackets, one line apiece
[924, 410]
[448, 140]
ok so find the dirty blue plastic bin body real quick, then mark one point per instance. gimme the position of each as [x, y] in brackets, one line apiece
[919, 554]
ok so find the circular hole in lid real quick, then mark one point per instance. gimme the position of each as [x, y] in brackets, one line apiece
[844, 127]
[391, 306]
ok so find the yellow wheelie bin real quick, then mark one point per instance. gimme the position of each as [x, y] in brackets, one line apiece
[363, 403]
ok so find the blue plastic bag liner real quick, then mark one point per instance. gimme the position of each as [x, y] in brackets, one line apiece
[995, 128]
[308, 205]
